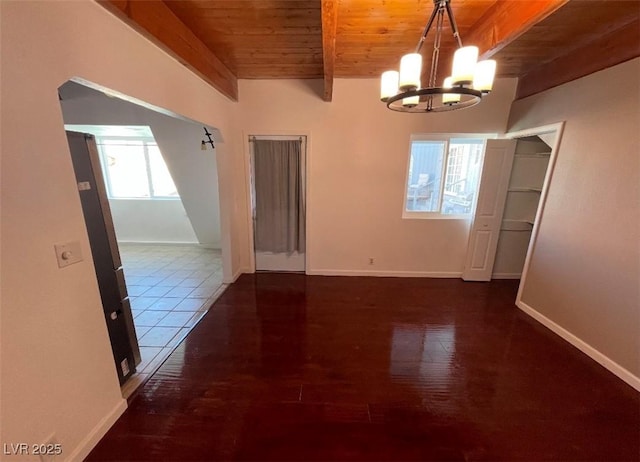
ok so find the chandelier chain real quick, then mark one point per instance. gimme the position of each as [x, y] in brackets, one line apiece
[435, 56]
[452, 21]
[427, 28]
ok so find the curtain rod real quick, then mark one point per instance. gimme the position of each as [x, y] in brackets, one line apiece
[142, 143]
[253, 138]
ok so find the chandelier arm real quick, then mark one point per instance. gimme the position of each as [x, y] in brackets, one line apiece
[454, 27]
[436, 8]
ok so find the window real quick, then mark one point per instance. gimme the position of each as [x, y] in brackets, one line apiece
[132, 164]
[443, 177]
[134, 168]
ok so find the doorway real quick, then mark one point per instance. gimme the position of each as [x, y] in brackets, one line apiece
[524, 194]
[512, 194]
[159, 188]
[278, 202]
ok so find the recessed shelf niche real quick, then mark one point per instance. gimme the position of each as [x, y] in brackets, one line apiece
[530, 164]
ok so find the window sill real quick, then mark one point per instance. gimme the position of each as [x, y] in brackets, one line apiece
[434, 216]
[144, 198]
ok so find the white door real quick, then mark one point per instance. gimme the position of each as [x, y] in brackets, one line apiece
[485, 229]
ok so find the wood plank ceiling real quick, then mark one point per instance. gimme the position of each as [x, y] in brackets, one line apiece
[226, 40]
[258, 39]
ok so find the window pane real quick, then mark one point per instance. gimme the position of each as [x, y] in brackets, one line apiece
[425, 170]
[161, 180]
[126, 168]
[462, 176]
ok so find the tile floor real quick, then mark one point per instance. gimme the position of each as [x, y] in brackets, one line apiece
[170, 287]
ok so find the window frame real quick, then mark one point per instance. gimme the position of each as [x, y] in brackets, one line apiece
[146, 141]
[446, 138]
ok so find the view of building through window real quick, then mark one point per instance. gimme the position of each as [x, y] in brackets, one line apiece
[426, 190]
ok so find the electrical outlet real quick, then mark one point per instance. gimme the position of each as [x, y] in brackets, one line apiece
[371, 260]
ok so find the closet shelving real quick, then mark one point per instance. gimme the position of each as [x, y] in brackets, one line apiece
[530, 164]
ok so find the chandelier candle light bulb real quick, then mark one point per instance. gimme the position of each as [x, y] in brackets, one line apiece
[410, 68]
[449, 98]
[464, 65]
[483, 75]
[411, 101]
[389, 84]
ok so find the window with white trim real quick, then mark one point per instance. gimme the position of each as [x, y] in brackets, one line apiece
[443, 176]
[134, 169]
[132, 163]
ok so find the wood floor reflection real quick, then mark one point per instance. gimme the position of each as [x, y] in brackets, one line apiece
[294, 367]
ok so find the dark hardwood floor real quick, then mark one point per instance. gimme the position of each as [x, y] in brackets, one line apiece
[293, 367]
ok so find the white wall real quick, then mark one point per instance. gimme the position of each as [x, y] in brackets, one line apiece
[585, 268]
[358, 154]
[151, 221]
[194, 171]
[57, 369]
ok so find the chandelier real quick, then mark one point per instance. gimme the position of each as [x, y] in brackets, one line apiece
[468, 82]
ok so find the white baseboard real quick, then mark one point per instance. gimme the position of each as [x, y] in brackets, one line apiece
[236, 275]
[506, 275]
[95, 435]
[194, 244]
[581, 345]
[374, 273]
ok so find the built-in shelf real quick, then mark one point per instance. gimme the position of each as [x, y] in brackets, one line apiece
[533, 190]
[516, 225]
[524, 192]
[534, 154]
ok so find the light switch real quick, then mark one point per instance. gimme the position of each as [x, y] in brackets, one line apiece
[68, 253]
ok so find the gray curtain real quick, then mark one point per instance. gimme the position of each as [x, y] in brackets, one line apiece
[279, 198]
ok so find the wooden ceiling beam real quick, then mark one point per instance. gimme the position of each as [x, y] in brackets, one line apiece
[329, 27]
[158, 23]
[614, 48]
[506, 21]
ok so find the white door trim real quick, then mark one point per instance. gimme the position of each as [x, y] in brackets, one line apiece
[558, 128]
[275, 135]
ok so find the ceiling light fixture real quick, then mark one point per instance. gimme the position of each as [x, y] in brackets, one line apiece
[468, 82]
